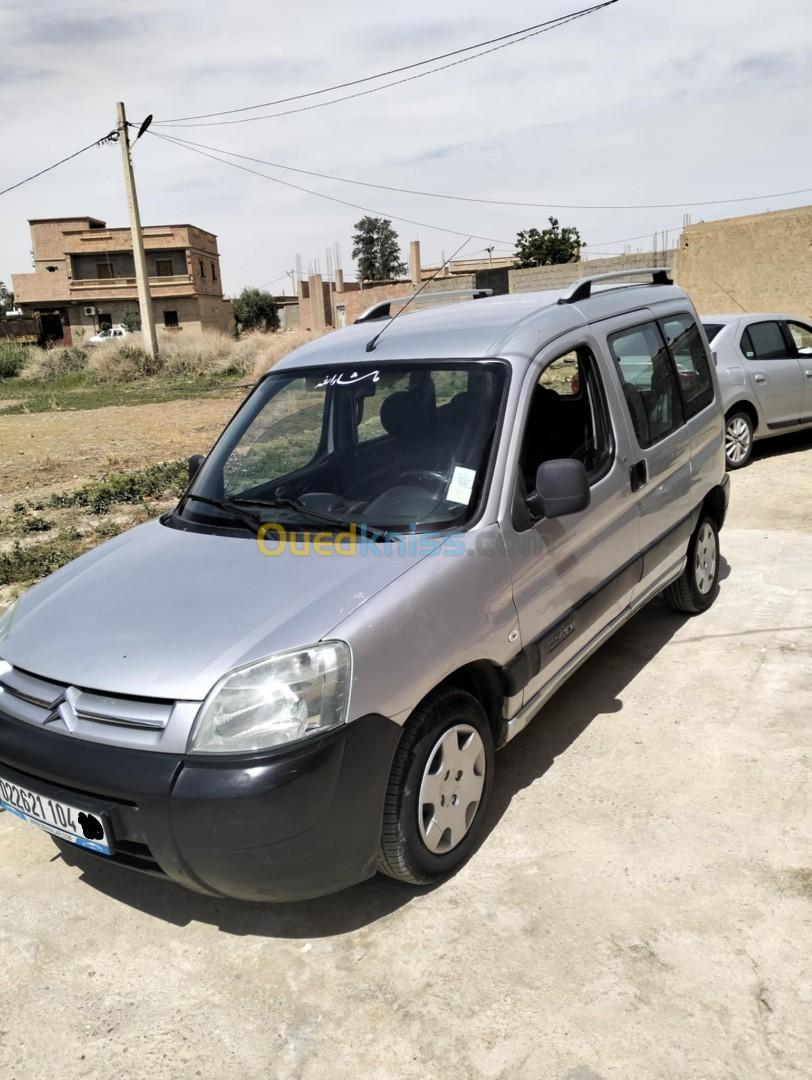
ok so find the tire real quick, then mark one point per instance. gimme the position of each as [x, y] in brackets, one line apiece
[738, 440]
[698, 585]
[445, 753]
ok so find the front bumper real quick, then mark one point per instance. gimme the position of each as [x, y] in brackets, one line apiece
[284, 825]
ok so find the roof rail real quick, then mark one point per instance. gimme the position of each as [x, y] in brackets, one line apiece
[382, 310]
[582, 289]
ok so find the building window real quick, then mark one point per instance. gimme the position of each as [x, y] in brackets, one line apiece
[164, 267]
[104, 270]
[202, 268]
[214, 271]
[171, 320]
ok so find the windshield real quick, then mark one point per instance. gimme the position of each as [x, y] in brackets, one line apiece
[405, 446]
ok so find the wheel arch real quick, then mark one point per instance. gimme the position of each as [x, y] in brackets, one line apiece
[746, 406]
[481, 679]
[715, 506]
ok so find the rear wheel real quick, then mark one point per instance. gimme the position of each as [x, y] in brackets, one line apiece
[738, 440]
[438, 790]
[698, 585]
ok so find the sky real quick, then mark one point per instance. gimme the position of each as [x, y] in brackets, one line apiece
[647, 101]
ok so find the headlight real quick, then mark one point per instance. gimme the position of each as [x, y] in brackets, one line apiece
[287, 697]
[5, 619]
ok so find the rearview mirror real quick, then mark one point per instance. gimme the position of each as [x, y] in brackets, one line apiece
[562, 487]
[195, 461]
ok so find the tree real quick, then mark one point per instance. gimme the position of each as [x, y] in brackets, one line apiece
[6, 299]
[131, 320]
[376, 250]
[255, 310]
[550, 246]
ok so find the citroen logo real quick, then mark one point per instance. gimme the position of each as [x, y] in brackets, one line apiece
[62, 712]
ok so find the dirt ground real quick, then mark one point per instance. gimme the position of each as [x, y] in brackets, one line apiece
[41, 452]
[640, 909]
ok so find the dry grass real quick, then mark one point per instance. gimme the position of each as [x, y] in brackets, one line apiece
[208, 354]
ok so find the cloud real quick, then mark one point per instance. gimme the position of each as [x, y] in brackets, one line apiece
[769, 65]
[86, 32]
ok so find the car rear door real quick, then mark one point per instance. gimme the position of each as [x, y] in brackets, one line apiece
[774, 371]
[660, 469]
[801, 336]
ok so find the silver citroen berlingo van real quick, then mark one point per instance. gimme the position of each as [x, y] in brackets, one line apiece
[406, 539]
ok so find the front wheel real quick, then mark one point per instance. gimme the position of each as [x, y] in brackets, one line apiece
[438, 790]
[698, 585]
[738, 440]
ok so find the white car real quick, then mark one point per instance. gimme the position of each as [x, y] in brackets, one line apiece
[110, 333]
[764, 364]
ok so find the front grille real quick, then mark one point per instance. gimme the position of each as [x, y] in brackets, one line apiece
[137, 722]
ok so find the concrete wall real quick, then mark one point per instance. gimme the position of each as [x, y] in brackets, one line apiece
[355, 303]
[539, 278]
[762, 262]
[48, 237]
[122, 263]
[196, 315]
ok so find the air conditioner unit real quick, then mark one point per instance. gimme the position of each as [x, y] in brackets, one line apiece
[90, 311]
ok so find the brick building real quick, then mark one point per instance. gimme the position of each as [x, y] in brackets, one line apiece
[84, 278]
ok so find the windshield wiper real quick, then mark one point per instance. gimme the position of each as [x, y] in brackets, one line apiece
[299, 508]
[252, 522]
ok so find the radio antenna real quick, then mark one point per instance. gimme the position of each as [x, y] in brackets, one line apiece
[371, 344]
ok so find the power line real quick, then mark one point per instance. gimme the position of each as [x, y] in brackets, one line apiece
[109, 137]
[491, 202]
[184, 144]
[321, 195]
[515, 38]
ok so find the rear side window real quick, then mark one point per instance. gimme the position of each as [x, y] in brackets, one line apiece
[802, 336]
[649, 382]
[691, 361]
[764, 341]
[712, 329]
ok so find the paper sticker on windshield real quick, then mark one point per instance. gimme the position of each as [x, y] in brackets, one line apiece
[461, 486]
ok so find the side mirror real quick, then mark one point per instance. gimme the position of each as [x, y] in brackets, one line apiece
[562, 487]
[195, 461]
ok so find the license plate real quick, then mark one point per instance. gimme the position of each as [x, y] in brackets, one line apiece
[81, 827]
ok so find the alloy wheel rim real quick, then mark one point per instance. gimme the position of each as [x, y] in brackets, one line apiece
[737, 440]
[705, 559]
[451, 788]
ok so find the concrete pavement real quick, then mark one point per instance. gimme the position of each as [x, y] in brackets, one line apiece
[639, 910]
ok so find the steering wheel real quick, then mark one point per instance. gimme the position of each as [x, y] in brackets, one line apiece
[425, 477]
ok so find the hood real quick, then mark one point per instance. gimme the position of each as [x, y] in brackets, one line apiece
[159, 612]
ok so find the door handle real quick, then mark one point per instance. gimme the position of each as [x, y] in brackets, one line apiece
[638, 475]
[760, 378]
[808, 374]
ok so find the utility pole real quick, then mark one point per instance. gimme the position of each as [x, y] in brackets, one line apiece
[148, 335]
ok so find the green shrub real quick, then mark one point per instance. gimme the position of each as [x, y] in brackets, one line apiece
[32, 524]
[155, 481]
[13, 358]
[33, 561]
